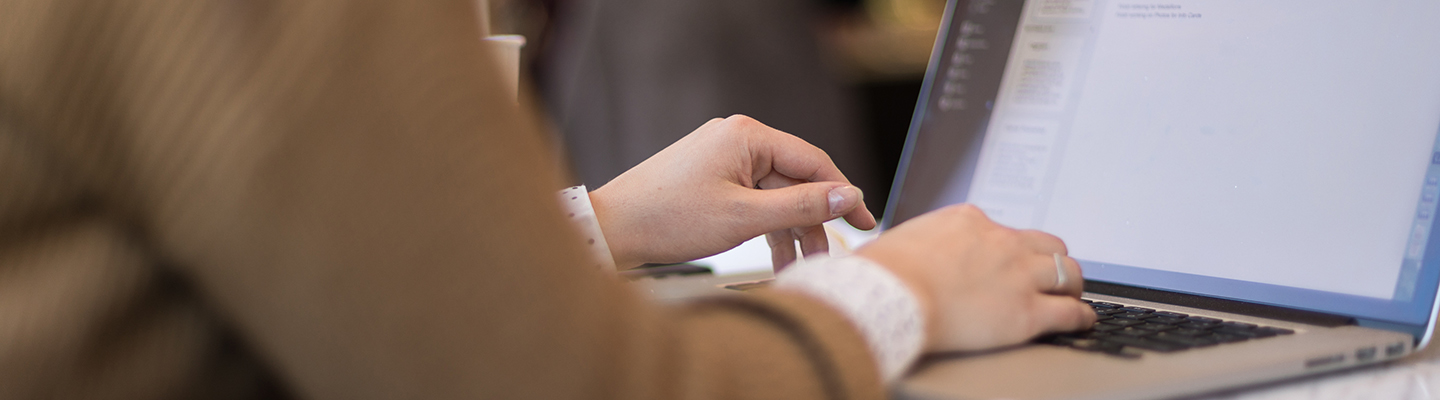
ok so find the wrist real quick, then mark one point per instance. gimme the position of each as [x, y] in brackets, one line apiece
[882, 307]
[575, 202]
[895, 262]
[611, 221]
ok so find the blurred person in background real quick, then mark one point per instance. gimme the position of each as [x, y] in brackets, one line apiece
[341, 200]
[625, 78]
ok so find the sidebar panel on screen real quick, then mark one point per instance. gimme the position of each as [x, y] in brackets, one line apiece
[961, 88]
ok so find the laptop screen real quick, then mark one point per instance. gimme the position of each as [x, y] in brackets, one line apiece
[1278, 151]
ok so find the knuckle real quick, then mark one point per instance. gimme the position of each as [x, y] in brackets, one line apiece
[741, 121]
[972, 214]
[809, 205]
[1042, 235]
[819, 152]
[711, 125]
[741, 128]
[966, 209]
[1007, 238]
[738, 117]
[1047, 239]
[1056, 240]
[963, 212]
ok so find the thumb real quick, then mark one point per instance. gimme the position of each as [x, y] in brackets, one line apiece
[806, 204]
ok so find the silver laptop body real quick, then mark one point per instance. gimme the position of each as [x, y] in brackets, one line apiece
[1220, 166]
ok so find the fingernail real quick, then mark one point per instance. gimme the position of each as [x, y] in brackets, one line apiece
[843, 199]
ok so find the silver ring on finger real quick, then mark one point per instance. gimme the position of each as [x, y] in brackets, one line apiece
[1061, 278]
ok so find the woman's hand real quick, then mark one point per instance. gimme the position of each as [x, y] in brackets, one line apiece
[729, 181]
[983, 285]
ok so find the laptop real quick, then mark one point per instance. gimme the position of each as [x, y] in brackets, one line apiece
[1250, 186]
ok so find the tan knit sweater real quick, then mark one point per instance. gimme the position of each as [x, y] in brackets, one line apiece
[327, 200]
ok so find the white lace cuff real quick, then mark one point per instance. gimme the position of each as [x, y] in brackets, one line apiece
[575, 201]
[875, 300]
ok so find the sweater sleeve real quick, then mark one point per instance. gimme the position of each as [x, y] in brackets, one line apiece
[875, 300]
[348, 185]
[575, 203]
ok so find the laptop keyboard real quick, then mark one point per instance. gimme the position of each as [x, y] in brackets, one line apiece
[1128, 331]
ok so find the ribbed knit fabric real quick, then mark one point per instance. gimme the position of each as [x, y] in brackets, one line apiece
[330, 200]
[875, 300]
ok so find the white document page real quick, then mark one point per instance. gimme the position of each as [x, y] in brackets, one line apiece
[1281, 142]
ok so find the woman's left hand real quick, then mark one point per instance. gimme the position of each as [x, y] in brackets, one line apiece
[729, 181]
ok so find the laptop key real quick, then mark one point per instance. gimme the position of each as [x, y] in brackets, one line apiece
[1165, 320]
[1237, 325]
[1249, 333]
[1099, 335]
[1091, 334]
[1196, 325]
[1277, 331]
[1107, 327]
[1185, 340]
[1133, 332]
[1224, 338]
[1190, 332]
[1154, 327]
[1125, 331]
[1132, 315]
[1123, 322]
[1147, 344]
[1260, 333]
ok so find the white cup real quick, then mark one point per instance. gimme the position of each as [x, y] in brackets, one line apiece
[506, 49]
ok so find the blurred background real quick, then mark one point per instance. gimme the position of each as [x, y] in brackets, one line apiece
[622, 79]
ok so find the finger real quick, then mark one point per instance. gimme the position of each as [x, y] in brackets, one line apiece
[782, 248]
[1043, 243]
[711, 123]
[773, 150]
[1059, 279]
[812, 240]
[1074, 284]
[1061, 314]
[793, 157]
[859, 217]
[777, 181]
[800, 205]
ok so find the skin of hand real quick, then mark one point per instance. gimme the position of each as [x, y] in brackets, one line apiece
[729, 181]
[982, 285]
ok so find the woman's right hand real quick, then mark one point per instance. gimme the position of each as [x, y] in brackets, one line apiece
[982, 285]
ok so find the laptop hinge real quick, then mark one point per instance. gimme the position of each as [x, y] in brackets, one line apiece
[1221, 305]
